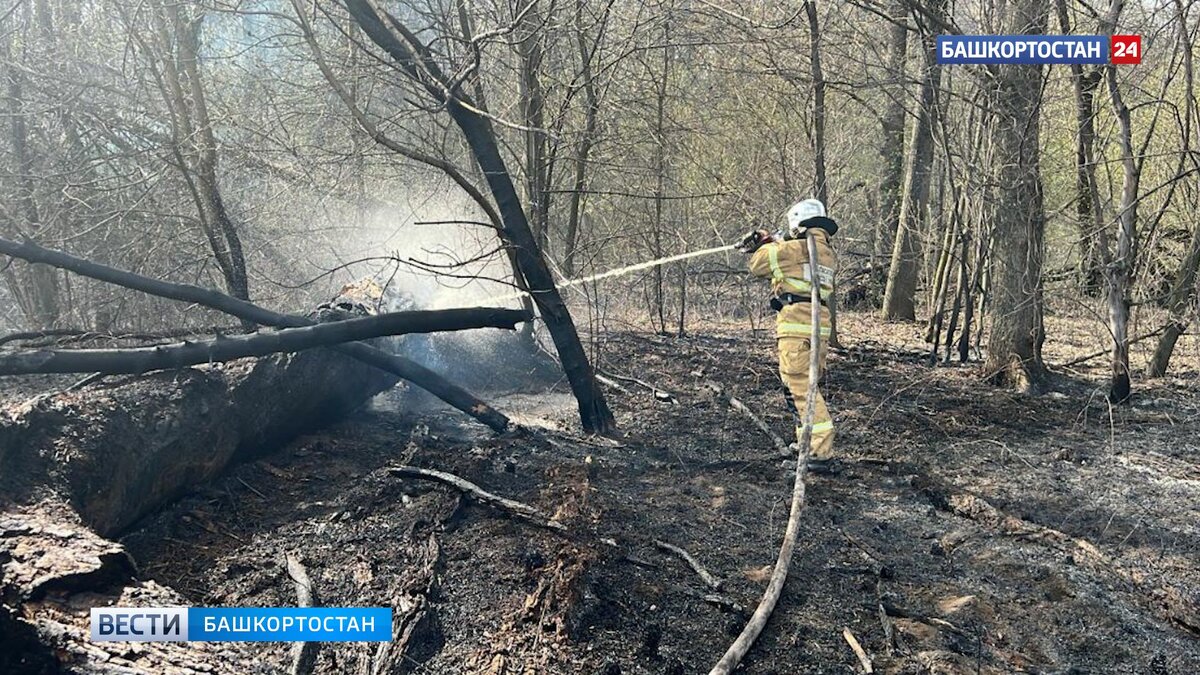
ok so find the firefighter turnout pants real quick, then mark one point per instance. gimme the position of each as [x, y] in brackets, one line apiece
[793, 336]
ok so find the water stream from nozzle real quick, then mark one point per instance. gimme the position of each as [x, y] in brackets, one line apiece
[619, 271]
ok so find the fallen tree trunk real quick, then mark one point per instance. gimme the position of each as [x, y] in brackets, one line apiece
[120, 449]
[78, 466]
[163, 357]
[396, 365]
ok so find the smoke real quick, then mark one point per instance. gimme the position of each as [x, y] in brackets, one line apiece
[436, 256]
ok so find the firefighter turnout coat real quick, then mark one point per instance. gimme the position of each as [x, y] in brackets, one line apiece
[792, 277]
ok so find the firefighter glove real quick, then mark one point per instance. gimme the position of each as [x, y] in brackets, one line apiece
[754, 240]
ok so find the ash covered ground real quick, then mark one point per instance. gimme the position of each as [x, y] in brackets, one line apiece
[973, 531]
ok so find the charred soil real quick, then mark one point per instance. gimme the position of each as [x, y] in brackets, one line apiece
[971, 530]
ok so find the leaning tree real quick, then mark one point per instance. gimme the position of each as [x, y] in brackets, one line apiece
[420, 65]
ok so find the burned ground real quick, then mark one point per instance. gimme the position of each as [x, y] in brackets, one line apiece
[973, 530]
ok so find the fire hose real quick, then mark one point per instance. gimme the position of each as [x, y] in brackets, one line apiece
[733, 656]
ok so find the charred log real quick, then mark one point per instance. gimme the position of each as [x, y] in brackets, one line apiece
[53, 570]
[163, 357]
[79, 466]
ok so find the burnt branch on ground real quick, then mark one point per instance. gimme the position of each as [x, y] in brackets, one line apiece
[515, 508]
[304, 654]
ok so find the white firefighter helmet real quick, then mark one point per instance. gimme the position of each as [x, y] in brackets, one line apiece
[802, 211]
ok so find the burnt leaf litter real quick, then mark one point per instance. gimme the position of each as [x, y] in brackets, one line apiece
[972, 531]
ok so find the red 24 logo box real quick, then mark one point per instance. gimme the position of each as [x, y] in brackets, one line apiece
[1123, 49]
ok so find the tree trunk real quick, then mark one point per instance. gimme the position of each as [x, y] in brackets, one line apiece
[34, 287]
[818, 86]
[983, 273]
[1179, 302]
[187, 35]
[658, 292]
[974, 293]
[820, 182]
[681, 325]
[1120, 269]
[584, 149]
[139, 360]
[898, 299]
[941, 281]
[468, 33]
[891, 153]
[593, 409]
[414, 58]
[1087, 193]
[960, 295]
[1183, 289]
[1088, 210]
[532, 54]
[193, 141]
[1015, 287]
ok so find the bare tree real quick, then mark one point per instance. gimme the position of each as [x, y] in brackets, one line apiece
[531, 50]
[899, 296]
[1087, 196]
[587, 47]
[820, 183]
[175, 53]
[1119, 270]
[662, 82]
[1182, 295]
[35, 287]
[891, 150]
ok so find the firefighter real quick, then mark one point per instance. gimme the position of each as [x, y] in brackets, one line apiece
[783, 258]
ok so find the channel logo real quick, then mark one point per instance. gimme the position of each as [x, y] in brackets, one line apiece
[241, 624]
[1039, 49]
[139, 624]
